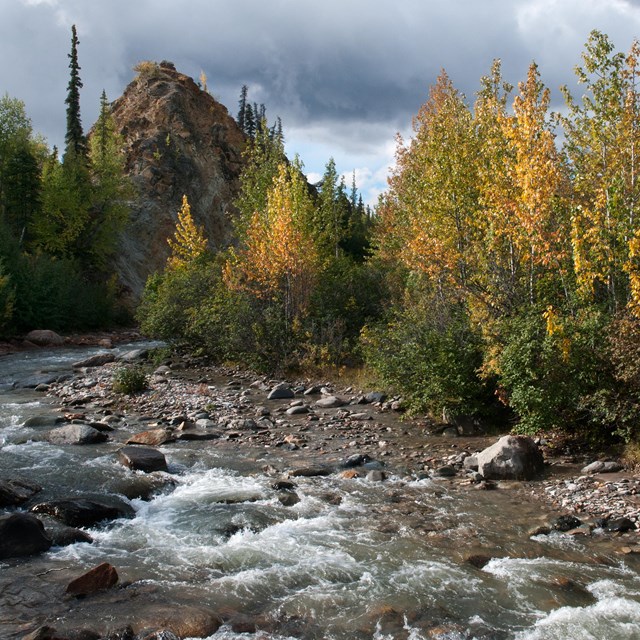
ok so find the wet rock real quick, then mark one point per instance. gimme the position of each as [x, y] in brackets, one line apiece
[83, 512]
[77, 434]
[330, 402]
[134, 355]
[289, 498]
[36, 380]
[565, 523]
[22, 534]
[100, 578]
[349, 474]
[153, 437]
[297, 410]
[284, 485]
[97, 360]
[541, 530]
[602, 466]
[619, 525]
[142, 458]
[42, 633]
[142, 487]
[309, 472]
[16, 491]
[478, 560]
[197, 434]
[376, 476]
[511, 458]
[163, 634]
[281, 391]
[446, 471]
[45, 420]
[314, 390]
[184, 621]
[124, 633]
[356, 460]
[44, 338]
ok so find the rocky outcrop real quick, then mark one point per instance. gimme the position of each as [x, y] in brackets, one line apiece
[179, 141]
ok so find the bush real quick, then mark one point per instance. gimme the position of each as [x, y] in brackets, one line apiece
[429, 352]
[129, 380]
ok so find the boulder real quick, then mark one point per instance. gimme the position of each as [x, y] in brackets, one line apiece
[511, 458]
[100, 578]
[97, 360]
[22, 534]
[84, 512]
[281, 391]
[134, 355]
[602, 466]
[297, 410]
[44, 338]
[310, 472]
[76, 434]
[142, 458]
[16, 491]
[153, 437]
[565, 523]
[184, 621]
[356, 460]
[331, 402]
[374, 397]
[619, 525]
[43, 420]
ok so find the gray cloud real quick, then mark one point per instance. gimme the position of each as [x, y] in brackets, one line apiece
[343, 75]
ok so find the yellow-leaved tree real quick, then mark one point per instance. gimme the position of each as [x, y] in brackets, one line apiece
[188, 242]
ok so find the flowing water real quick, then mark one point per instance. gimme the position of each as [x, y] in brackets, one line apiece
[352, 559]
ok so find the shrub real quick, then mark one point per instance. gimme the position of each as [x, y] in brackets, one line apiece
[129, 380]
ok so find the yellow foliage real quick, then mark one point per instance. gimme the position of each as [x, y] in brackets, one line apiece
[188, 242]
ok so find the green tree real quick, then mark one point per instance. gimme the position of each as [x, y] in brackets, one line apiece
[75, 141]
[242, 110]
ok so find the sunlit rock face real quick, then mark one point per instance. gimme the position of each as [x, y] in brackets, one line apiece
[179, 141]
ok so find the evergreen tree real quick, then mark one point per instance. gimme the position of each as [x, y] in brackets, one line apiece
[76, 143]
[242, 111]
[249, 121]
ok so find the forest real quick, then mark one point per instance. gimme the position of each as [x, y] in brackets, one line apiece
[498, 277]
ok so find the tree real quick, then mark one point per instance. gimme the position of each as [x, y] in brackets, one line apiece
[242, 111]
[75, 141]
[189, 242]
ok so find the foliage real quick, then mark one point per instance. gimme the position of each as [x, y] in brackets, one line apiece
[188, 243]
[129, 380]
[147, 69]
[75, 141]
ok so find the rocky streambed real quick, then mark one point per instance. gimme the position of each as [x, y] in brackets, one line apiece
[219, 504]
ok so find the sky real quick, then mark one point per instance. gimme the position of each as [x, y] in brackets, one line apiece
[345, 76]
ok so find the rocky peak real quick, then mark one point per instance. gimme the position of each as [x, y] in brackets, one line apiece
[179, 141]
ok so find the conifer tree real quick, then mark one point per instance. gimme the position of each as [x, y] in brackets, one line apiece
[76, 143]
[242, 111]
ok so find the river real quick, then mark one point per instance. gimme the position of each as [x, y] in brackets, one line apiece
[352, 559]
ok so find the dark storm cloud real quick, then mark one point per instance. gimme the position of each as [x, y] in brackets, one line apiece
[345, 75]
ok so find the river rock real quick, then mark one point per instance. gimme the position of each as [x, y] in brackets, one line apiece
[153, 437]
[511, 458]
[376, 476]
[289, 498]
[100, 578]
[97, 360]
[374, 397]
[330, 402]
[43, 420]
[619, 525]
[61, 535]
[76, 434]
[356, 460]
[142, 458]
[16, 491]
[309, 472]
[470, 463]
[184, 621]
[565, 523]
[297, 410]
[602, 466]
[22, 534]
[313, 390]
[84, 512]
[134, 355]
[44, 338]
[281, 391]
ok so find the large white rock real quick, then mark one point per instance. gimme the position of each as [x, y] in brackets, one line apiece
[511, 458]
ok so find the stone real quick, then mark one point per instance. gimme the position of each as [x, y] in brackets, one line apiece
[314, 390]
[22, 534]
[309, 472]
[450, 432]
[565, 523]
[153, 437]
[471, 463]
[61, 535]
[619, 525]
[142, 458]
[205, 423]
[374, 397]
[77, 434]
[100, 578]
[446, 471]
[184, 621]
[44, 420]
[376, 476]
[349, 474]
[602, 466]
[356, 460]
[85, 512]
[330, 402]
[15, 491]
[44, 338]
[289, 498]
[134, 355]
[297, 410]
[478, 560]
[97, 360]
[281, 391]
[511, 458]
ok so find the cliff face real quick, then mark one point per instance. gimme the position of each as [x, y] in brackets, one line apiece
[178, 141]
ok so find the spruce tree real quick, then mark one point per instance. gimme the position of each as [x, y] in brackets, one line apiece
[242, 111]
[75, 140]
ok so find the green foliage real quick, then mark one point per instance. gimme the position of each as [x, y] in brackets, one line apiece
[550, 374]
[129, 380]
[7, 301]
[428, 350]
[75, 141]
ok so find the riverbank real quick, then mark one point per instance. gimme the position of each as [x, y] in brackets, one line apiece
[322, 423]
